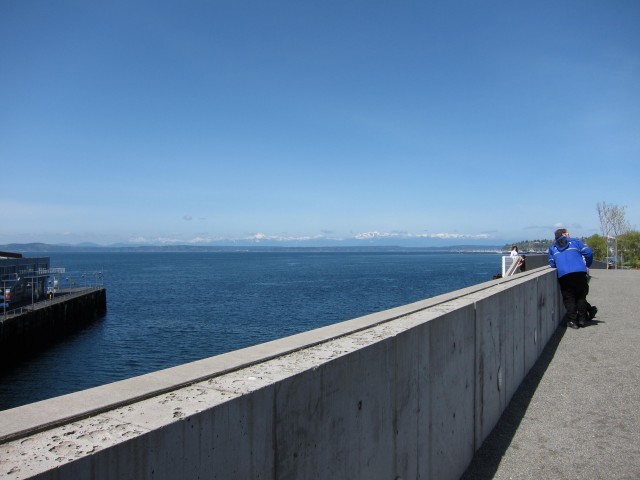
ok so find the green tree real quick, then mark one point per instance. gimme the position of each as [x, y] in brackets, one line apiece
[629, 248]
[598, 244]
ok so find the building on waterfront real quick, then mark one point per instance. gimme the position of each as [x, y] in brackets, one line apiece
[22, 278]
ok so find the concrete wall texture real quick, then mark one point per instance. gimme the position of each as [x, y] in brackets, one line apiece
[407, 393]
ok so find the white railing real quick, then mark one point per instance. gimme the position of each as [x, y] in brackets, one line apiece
[511, 265]
[48, 271]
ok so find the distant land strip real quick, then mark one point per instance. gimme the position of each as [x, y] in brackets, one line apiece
[51, 248]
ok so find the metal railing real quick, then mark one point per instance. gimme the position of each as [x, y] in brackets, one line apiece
[60, 296]
[511, 265]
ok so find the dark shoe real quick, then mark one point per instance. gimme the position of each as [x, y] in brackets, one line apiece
[592, 312]
[572, 324]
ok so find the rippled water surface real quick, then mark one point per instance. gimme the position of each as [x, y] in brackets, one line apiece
[164, 309]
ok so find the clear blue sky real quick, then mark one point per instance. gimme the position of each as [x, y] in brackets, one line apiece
[197, 121]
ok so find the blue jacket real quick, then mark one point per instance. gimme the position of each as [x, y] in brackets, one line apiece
[570, 255]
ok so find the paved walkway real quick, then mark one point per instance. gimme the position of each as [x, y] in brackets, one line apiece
[577, 413]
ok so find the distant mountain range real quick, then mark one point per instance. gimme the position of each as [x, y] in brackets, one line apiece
[87, 247]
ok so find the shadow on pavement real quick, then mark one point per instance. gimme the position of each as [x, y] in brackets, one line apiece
[487, 459]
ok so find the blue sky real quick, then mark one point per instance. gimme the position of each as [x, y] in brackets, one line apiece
[441, 122]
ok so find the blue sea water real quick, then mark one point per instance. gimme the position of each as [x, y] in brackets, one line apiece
[165, 309]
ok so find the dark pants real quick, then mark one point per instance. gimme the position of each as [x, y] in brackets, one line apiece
[574, 288]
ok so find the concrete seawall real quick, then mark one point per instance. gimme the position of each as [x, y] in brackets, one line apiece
[47, 321]
[406, 393]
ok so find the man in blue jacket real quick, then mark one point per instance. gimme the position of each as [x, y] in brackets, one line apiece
[571, 258]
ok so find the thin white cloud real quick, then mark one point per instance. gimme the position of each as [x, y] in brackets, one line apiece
[204, 239]
[372, 235]
[138, 239]
[283, 238]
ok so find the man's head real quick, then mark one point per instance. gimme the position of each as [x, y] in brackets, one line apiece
[561, 232]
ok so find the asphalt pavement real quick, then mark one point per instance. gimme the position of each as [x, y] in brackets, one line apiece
[577, 413]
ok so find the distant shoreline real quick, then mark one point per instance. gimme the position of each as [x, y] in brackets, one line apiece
[49, 248]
